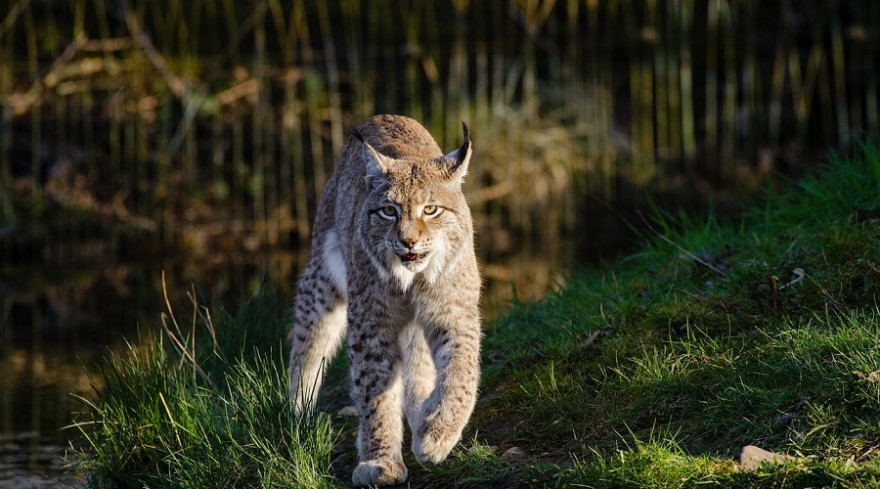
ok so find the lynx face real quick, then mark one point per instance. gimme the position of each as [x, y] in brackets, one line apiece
[415, 213]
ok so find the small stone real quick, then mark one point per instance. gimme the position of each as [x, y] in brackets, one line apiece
[349, 412]
[512, 452]
[592, 339]
[752, 457]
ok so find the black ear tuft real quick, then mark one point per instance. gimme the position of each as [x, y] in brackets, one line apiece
[456, 162]
[462, 156]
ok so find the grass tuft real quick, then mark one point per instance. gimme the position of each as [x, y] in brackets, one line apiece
[217, 416]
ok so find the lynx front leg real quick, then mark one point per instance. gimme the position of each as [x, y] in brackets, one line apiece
[377, 387]
[318, 329]
[456, 352]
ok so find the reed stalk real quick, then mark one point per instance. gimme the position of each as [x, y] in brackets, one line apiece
[839, 64]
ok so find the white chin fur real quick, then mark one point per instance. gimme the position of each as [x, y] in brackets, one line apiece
[403, 273]
[415, 266]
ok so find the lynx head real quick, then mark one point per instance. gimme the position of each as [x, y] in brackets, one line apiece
[416, 218]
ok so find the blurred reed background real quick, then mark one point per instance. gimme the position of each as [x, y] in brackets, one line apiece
[209, 121]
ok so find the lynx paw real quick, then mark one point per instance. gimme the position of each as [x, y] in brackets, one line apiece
[379, 472]
[433, 446]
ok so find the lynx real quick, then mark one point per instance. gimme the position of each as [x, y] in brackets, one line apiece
[393, 266]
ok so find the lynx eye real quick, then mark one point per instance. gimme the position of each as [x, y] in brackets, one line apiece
[430, 210]
[388, 212]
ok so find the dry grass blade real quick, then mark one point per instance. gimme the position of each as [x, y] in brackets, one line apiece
[170, 417]
[205, 314]
[176, 336]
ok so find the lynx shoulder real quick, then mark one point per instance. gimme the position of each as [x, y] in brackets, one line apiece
[393, 269]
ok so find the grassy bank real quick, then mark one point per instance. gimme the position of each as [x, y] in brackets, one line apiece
[654, 371]
[208, 407]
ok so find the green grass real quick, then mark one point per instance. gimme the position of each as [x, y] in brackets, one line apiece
[653, 371]
[218, 416]
[656, 370]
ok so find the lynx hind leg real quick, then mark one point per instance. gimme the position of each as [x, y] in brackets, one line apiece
[318, 330]
[420, 374]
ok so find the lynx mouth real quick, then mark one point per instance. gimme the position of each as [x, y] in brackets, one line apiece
[412, 257]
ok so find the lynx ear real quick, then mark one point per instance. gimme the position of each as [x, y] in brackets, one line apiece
[377, 164]
[458, 160]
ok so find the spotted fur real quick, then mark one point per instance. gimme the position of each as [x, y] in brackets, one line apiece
[393, 267]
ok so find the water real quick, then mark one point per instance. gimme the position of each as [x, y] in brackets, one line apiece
[33, 460]
[61, 319]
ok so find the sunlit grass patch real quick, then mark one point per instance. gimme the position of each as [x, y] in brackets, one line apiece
[658, 462]
[762, 330]
[765, 388]
[212, 412]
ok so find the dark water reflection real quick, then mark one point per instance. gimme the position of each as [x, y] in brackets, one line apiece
[64, 312]
[60, 320]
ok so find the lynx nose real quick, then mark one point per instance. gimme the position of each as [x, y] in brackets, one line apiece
[408, 242]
